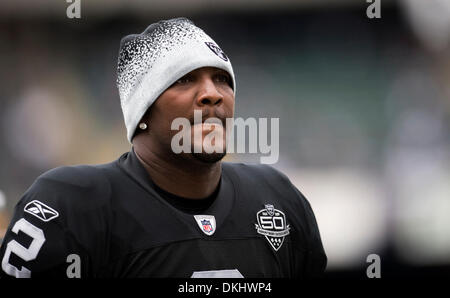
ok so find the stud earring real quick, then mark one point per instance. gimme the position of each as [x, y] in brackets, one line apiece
[143, 126]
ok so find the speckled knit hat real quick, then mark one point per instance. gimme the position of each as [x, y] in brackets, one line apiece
[152, 61]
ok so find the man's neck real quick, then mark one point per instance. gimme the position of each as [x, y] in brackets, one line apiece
[183, 177]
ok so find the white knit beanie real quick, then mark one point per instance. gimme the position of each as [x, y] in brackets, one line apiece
[152, 61]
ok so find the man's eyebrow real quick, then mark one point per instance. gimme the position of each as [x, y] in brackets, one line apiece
[221, 71]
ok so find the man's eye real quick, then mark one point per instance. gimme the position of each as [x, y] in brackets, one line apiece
[223, 78]
[183, 80]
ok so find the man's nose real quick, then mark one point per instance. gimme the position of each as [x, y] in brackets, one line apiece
[208, 93]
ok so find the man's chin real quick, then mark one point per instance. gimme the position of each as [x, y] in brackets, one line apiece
[209, 157]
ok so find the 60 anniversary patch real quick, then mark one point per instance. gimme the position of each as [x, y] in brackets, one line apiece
[272, 224]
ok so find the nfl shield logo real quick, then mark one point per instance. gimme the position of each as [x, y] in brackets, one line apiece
[206, 223]
[207, 227]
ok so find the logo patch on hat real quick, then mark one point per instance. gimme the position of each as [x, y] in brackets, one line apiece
[41, 211]
[216, 50]
[272, 224]
[206, 223]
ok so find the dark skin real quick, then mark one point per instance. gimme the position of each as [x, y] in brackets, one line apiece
[207, 89]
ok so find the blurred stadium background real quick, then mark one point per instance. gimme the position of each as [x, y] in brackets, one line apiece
[364, 108]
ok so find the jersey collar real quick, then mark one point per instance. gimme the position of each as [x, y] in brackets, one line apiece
[220, 208]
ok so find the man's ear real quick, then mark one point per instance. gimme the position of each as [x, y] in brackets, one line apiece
[145, 119]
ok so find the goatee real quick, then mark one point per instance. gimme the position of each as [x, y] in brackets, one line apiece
[209, 157]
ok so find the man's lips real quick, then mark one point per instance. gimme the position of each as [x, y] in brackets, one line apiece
[207, 126]
[218, 116]
[210, 122]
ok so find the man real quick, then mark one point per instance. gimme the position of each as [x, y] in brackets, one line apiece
[157, 213]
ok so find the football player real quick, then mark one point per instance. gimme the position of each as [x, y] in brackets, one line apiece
[154, 212]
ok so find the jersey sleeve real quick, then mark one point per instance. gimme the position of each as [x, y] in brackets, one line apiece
[316, 259]
[57, 229]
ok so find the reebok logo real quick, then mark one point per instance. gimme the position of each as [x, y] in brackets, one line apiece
[41, 211]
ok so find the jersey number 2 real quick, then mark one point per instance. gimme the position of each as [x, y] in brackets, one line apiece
[27, 254]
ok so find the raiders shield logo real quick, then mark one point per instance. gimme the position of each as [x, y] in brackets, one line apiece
[272, 224]
[216, 50]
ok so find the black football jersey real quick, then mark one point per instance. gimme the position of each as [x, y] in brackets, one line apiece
[111, 222]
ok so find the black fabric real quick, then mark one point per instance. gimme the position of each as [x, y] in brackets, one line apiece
[189, 205]
[117, 223]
